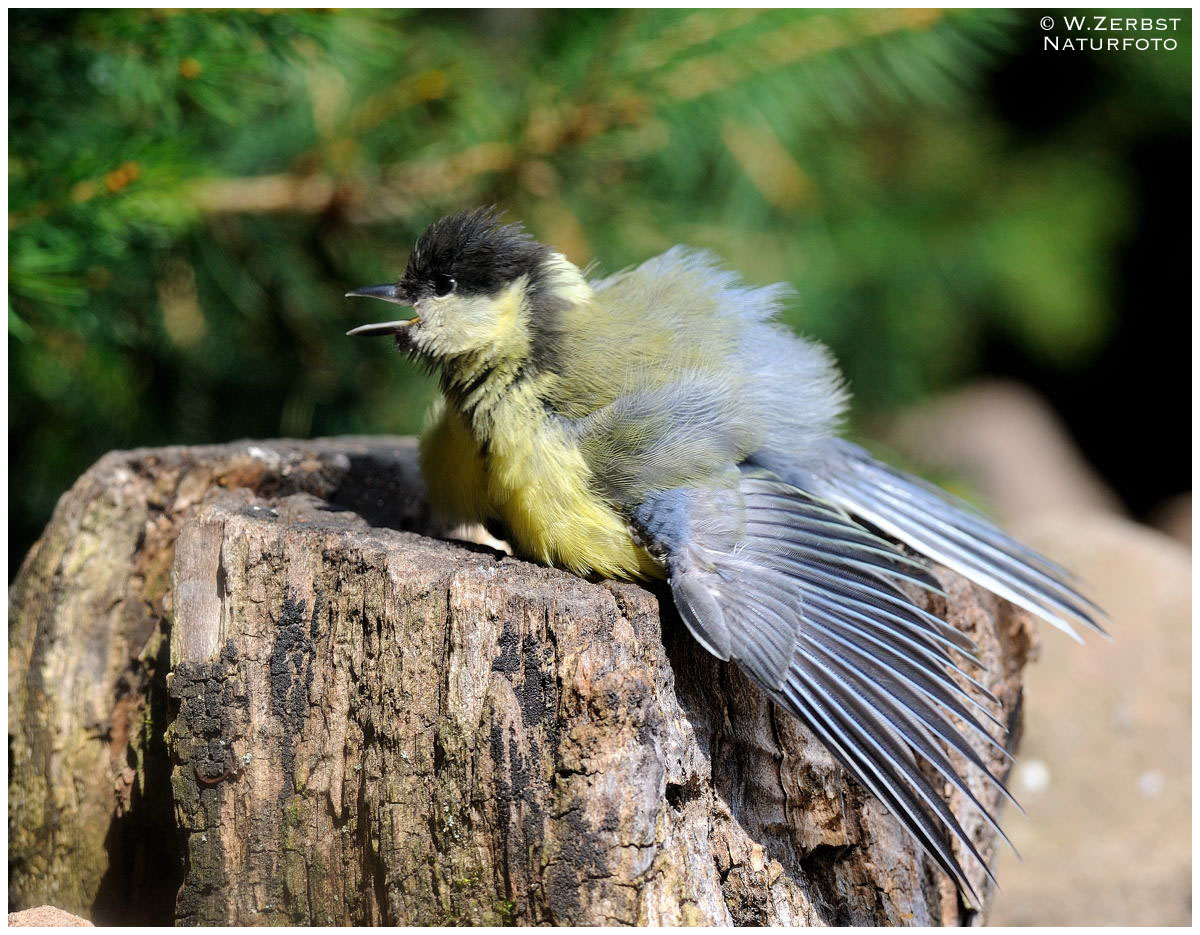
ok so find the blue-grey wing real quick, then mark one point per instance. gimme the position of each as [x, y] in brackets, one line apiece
[807, 602]
[948, 530]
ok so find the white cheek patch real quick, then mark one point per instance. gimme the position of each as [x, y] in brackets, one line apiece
[489, 324]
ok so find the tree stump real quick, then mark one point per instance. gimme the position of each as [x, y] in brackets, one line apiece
[245, 689]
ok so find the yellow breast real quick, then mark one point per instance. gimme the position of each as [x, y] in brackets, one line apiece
[536, 482]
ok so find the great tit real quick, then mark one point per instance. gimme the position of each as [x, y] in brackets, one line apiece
[657, 423]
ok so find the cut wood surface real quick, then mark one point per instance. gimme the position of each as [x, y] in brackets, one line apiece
[245, 688]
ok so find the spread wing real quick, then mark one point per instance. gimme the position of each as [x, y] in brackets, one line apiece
[952, 532]
[806, 601]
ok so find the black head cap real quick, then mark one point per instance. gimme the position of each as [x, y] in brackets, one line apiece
[473, 249]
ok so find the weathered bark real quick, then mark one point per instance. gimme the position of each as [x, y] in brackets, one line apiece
[240, 693]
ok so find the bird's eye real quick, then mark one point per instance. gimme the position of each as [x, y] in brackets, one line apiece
[443, 285]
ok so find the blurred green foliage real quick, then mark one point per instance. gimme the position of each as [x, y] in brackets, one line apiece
[190, 193]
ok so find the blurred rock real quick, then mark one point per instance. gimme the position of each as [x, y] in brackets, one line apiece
[1108, 738]
[47, 916]
[1007, 442]
[1174, 517]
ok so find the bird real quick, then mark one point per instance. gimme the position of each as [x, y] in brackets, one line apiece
[660, 423]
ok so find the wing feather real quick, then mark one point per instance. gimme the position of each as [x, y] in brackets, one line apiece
[953, 533]
[883, 776]
[786, 584]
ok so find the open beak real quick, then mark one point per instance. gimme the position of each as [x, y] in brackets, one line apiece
[388, 293]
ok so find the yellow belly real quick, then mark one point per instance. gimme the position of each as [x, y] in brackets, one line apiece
[536, 483]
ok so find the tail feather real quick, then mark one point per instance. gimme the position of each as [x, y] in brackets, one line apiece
[954, 534]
